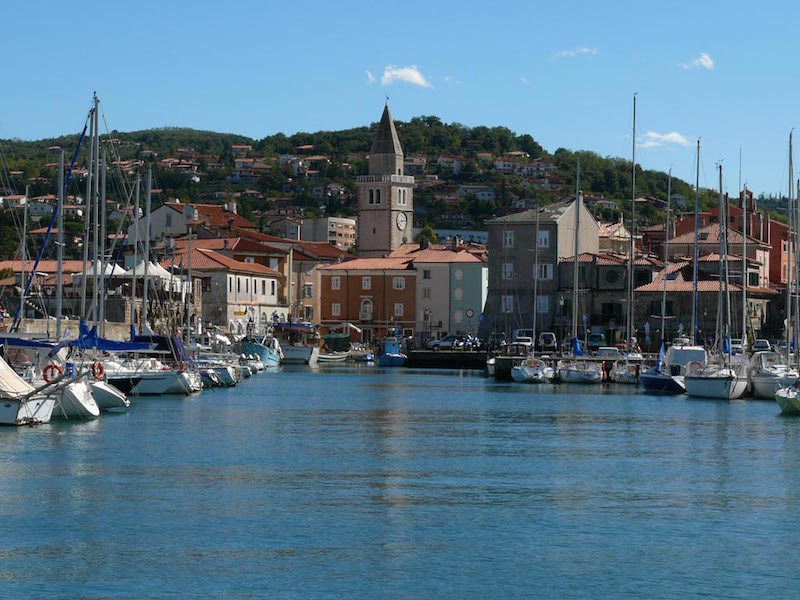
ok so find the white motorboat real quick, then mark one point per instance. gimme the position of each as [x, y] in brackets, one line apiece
[533, 370]
[667, 377]
[580, 371]
[769, 373]
[624, 371]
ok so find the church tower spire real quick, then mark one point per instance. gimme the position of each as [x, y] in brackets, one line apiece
[385, 196]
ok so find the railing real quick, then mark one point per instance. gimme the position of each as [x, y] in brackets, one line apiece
[365, 315]
[385, 178]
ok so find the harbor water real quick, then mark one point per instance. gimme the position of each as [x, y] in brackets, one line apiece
[347, 482]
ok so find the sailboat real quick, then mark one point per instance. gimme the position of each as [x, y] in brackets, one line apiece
[532, 369]
[575, 370]
[20, 402]
[719, 378]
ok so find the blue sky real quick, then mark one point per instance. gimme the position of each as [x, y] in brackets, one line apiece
[565, 72]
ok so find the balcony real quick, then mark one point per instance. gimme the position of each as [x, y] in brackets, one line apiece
[365, 315]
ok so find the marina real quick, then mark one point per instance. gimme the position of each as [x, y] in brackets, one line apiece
[282, 486]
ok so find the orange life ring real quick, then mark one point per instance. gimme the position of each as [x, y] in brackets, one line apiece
[49, 372]
[98, 370]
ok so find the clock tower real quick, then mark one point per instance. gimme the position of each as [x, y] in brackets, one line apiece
[385, 196]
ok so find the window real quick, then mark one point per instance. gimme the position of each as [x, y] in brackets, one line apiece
[752, 279]
[308, 313]
[377, 196]
[372, 196]
[273, 264]
[366, 310]
[426, 273]
[544, 239]
[249, 259]
[612, 276]
[336, 309]
[336, 283]
[206, 284]
[507, 304]
[308, 290]
[230, 282]
[508, 271]
[366, 283]
[238, 284]
[508, 239]
[458, 316]
[458, 294]
[247, 286]
[272, 287]
[399, 283]
[398, 309]
[169, 220]
[545, 272]
[426, 293]
[655, 308]
[263, 287]
[544, 304]
[642, 278]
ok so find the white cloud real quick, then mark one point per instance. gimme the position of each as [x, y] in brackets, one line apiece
[524, 80]
[370, 78]
[405, 74]
[704, 61]
[655, 140]
[580, 50]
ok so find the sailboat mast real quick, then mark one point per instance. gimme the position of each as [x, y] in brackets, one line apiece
[535, 284]
[632, 248]
[666, 264]
[789, 255]
[744, 269]
[135, 248]
[60, 244]
[88, 209]
[24, 251]
[724, 231]
[696, 246]
[96, 226]
[575, 270]
[190, 291]
[102, 257]
[147, 197]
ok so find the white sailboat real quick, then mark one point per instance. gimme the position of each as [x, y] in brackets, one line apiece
[575, 370]
[20, 404]
[720, 377]
[770, 373]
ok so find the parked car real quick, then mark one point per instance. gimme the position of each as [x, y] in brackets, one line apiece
[737, 347]
[595, 341]
[609, 352]
[525, 340]
[449, 342]
[547, 342]
[761, 346]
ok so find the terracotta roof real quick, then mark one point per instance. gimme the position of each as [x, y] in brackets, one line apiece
[680, 281]
[371, 264]
[44, 266]
[612, 229]
[203, 259]
[613, 259]
[712, 236]
[445, 256]
[215, 214]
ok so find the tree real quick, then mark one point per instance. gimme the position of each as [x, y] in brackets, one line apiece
[426, 234]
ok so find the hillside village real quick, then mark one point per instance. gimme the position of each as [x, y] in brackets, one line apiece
[340, 230]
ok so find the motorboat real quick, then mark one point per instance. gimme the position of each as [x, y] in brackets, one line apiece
[267, 349]
[392, 355]
[770, 373]
[625, 371]
[298, 343]
[580, 371]
[107, 396]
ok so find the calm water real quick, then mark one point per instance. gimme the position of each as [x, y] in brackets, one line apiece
[357, 483]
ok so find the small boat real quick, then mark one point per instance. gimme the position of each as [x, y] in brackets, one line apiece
[578, 371]
[267, 349]
[533, 370]
[624, 371]
[333, 357]
[715, 380]
[298, 343]
[769, 373]
[393, 355]
[20, 403]
[75, 401]
[107, 396]
[788, 400]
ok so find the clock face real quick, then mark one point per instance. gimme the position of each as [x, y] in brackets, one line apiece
[401, 221]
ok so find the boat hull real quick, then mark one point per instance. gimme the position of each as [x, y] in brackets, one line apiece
[299, 355]
[721, 388]
[268, 356]
[661, 383]
[76, 402]
[392, 360]
[765, 386]
[33, 411]
[108, 397]
[788, 401]
[580, 374]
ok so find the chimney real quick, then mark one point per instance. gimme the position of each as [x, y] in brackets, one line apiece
[231, 207]
[225, 243]
[456, 244]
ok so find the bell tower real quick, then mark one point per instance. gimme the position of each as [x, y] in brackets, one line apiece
[385, 196]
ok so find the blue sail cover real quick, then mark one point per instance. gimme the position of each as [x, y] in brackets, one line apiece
[576, 348]
[660, 362]
[726, 345]
[88, 339]
[21, 343]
